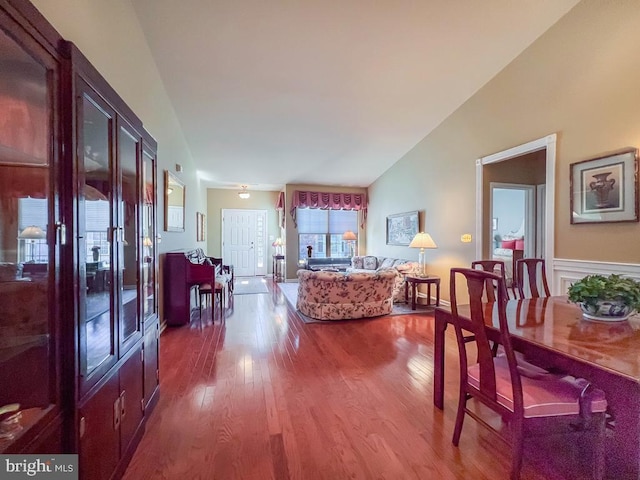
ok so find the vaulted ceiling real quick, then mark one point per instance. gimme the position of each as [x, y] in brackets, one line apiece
[329, 92]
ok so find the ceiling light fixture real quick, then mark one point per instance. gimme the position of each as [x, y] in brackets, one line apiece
[244, 194]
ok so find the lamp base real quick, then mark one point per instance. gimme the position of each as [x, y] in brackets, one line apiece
[422, 269]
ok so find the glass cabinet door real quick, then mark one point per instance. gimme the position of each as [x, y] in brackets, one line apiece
[29, 252]
[129, 228]
[97, 238]
[149, 235]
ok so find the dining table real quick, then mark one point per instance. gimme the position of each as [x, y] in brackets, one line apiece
[552, 333]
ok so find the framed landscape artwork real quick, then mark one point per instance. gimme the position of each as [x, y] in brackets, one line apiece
[605, 189]
[402, 227]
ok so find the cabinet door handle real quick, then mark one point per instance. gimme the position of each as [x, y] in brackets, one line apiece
[61, 231]
[116, 414]
[123, 403]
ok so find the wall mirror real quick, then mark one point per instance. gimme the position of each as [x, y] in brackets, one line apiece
[174, 195]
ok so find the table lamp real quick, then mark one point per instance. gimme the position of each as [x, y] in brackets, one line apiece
[33, 233]
[277, 244]
[422, 240]
[350, 238]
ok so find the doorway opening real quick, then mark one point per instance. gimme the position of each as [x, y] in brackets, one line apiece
[511, 166]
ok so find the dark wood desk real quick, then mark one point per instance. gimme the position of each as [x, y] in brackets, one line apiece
[553, 332]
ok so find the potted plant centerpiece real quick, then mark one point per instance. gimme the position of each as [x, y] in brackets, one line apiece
[606, 298]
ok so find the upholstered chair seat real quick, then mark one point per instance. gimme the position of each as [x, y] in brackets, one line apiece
[545, 395]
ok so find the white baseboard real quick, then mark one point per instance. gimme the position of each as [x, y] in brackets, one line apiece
[565, 272]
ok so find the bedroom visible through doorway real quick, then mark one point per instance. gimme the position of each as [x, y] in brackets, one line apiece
[513, 223]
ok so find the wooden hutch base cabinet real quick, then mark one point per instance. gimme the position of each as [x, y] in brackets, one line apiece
[78, 264]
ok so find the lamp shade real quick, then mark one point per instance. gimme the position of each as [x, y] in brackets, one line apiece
[422, 240]
[349, 235]
[32, 232]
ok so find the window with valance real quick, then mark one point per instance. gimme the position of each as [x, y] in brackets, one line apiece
[329, 201]
[322, 220]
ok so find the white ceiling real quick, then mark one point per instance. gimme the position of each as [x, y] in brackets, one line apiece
[331, 92]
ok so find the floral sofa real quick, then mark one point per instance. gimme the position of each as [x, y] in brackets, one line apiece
[338, 296]
[401, 268]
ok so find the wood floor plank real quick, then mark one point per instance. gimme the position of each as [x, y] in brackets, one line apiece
[260, 394]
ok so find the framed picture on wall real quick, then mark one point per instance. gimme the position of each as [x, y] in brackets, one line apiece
[605, 189]
[402, 227]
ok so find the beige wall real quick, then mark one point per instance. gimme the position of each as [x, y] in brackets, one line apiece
[579, 80]
[291, 252]
[218, 199]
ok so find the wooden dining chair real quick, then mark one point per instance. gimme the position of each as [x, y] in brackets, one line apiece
[530, 274]
[494, 266]
[520, 395]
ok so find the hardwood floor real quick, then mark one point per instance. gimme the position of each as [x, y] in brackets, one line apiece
[264, 396]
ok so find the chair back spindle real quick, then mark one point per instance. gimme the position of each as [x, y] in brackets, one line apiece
[530, 275]
[493, 266]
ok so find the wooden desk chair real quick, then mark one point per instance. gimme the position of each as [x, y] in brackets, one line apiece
[223, 282]
[522, 396]
[206, 292]
[536, 275]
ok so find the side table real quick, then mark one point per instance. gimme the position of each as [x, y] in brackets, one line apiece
[414, 282]
[278, 268]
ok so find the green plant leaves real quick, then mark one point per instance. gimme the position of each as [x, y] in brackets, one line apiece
[599, 287]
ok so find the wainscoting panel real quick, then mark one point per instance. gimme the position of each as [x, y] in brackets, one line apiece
[565, 272]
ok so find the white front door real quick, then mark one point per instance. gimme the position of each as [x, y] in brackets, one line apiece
[244, 237]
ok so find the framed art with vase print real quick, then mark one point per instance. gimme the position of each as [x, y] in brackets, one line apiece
[605, 189]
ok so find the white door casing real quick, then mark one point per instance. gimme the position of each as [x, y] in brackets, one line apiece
[540, 220]
[548, 144]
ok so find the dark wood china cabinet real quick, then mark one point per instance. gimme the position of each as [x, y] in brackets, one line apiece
[79, 325]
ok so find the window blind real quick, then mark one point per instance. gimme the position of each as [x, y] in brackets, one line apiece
[32, 211]
[315, 220]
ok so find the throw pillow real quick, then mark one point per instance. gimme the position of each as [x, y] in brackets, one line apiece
[510, 244]
[370, 262]
[387, 263]
[519, 245]
[357, 262]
